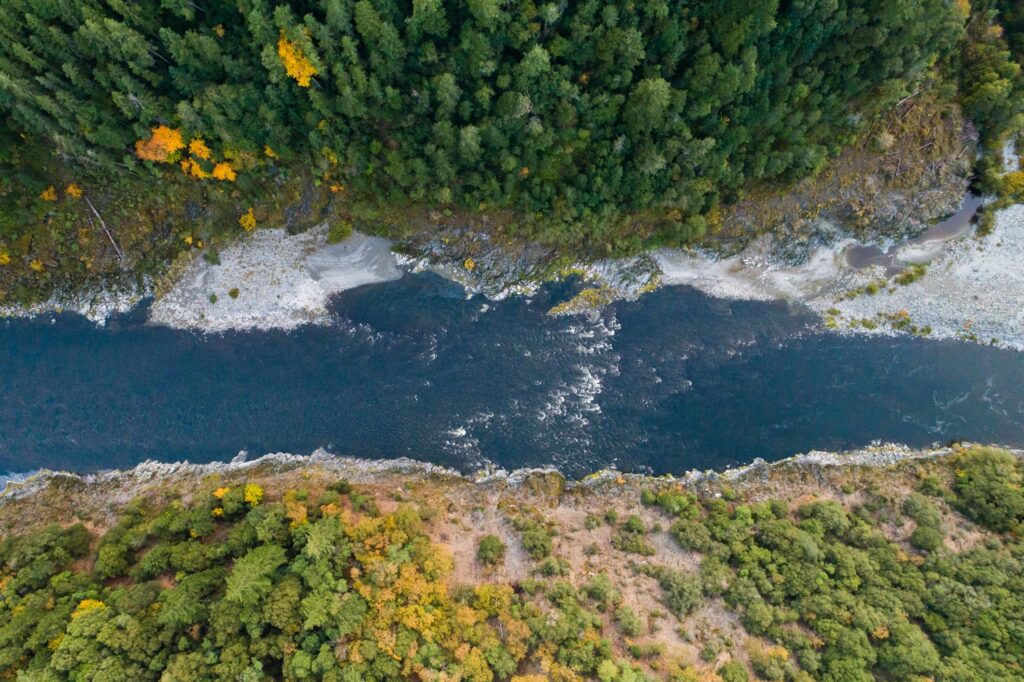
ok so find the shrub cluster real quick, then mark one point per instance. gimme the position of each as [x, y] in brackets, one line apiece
[244, 585]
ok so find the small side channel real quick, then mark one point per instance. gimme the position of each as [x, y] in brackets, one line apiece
[860, 256]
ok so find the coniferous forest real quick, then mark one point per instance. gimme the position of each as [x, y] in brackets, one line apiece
[604, 127]
[138, 137]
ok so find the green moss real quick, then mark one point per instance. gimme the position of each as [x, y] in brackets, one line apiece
[911, 275]
[339, 231]
[587, 299]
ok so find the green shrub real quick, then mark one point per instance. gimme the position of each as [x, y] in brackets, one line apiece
[601, 590]
[988, 488]
[926, 538]
[681, 592]
[535, 536]
[630, 537]
[673, 502]
[691, 535]
[342, 487]
[922, 510]
[339, 231]
[553, 566]
[911, 275]
[772, 665]
[490, 551]
[733, 671]
[628, 621]
[363, 503]
[647, 650]
[634, 524]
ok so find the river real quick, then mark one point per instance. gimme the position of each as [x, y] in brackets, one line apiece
[673, 381]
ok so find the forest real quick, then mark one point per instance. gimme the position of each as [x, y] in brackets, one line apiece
[232, 580]
[139, 130]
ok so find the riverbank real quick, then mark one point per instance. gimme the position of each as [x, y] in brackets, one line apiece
[273, 280]
[123, 483]
[971, 290]
[31, 500]
[702, 577]
[967, 286]
[961, 285]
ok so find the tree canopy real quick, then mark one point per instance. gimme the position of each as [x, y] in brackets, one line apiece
[571, 114]
[295, 585]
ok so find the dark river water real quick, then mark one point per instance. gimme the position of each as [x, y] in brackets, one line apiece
[674, 381]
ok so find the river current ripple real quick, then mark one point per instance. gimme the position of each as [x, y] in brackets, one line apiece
[674, 381]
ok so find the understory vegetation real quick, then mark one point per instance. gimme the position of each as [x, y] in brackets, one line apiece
[235, 582]
[133, 132]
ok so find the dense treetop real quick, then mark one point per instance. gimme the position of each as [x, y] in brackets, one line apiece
[134, 132]
[573, 112]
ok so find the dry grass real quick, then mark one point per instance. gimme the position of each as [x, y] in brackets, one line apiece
[458, 512]
[902, 170]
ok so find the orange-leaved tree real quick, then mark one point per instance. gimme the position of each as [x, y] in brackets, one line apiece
[161, 145]
[224, 171]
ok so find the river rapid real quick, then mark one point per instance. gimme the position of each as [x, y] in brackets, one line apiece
[674, 381]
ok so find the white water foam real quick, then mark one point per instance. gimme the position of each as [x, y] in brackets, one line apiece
[753, 274]
[570, 407]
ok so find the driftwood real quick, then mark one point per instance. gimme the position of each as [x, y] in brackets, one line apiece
[103, 224]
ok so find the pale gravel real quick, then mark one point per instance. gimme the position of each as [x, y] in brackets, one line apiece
[754, 274]
[972, 287]
[283, 281]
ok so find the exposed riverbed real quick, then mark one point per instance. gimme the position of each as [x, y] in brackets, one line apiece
[273, 280]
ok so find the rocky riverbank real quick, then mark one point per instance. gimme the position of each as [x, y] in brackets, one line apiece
[964, 287]
[959, 286]
[971, 289]
[122, 485]
[273, 280]
[96, 305]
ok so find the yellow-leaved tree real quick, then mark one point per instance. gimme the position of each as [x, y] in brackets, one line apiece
[248, 220]
[295, 63]
[224, 171]
[199, 149]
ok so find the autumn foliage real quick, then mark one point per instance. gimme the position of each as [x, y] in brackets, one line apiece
[248, 220]
[224, 171]
[295, 63]
[161, 145]
[234, 582]
[198, 148]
